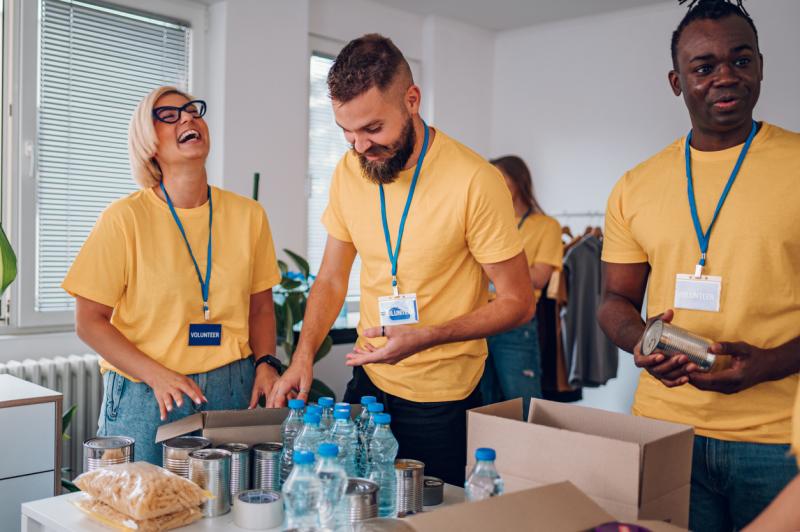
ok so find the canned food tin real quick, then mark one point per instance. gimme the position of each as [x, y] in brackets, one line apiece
[660, 336]
[267, 466]
[176, 451]
[362, 499]
[107, 450]
[433, 491]
[410, 481]
[211, 470]
[240, 466]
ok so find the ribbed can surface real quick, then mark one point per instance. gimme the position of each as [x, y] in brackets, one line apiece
[107, 450]
[410, 475]
[362, 499]
[660, 336]
[267, 466]
[240, 466]
[211, 470]
[175, 453]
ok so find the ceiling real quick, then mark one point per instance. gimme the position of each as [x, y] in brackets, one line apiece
[500, 15]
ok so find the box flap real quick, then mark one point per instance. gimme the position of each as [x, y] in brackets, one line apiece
[555, 508]
[667, 465]
[179, 428]
[511, 409]
[598, 466]
[598, 422]
[672, 507]
[245, 418]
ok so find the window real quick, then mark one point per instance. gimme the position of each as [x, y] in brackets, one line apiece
[94, 63]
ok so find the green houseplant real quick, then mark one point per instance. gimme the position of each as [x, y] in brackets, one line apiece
[8, 262]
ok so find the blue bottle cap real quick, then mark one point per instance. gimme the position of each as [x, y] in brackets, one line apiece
[311, 418]
[325, 402]
[368, 399]
[328, 450]
[375, 407]
[316, 409]
[342, 406]
[303, 457]
[341, 414]
[296, 404]
[383, 419]
[485, 454]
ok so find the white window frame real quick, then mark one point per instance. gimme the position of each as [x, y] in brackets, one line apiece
[22, 58]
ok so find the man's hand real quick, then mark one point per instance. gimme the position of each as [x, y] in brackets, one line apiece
[749, 366]
[402, 342]
[266, 377]
[295, 382]
[671, 371]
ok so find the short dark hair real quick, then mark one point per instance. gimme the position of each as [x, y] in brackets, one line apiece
[708, 10]
[369, 61]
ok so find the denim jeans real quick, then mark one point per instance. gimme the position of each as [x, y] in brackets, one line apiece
[129, 408]
[513, 367]
[732, 482]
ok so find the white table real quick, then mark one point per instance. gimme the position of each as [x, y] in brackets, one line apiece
[59, 514]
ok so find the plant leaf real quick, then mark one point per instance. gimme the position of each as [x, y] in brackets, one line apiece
[66, 419]
[283, 267]
[290, 284]
[302, 264]
[324, 349]
[8, 262]
[69, 485]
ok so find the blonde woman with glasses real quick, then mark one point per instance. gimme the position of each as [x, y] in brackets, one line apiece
[173, 286]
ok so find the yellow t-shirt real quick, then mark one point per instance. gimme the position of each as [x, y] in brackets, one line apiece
[461, 217]
[541, 238]
[754, 247]
[135, 260]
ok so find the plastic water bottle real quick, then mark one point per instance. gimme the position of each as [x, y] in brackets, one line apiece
[302, 493]
[362, 419]
[326, 419]
[484, 481]
[334, 483]
[342, 406]
[289, 430]
[344, 435]
[310, 436]
[365, 434]
[382, 452]
[314, 409]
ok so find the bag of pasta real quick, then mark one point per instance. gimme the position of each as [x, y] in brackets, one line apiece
[141, 490]
[106, 515]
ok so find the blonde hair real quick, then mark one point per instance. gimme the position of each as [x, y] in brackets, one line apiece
[142, 139]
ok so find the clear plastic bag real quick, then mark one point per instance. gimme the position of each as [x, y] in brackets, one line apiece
[141, 490]
[102, 513]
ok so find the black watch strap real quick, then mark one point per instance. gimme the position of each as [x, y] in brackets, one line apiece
[270, 361]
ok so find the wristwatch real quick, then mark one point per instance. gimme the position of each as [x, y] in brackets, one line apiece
[272, 361]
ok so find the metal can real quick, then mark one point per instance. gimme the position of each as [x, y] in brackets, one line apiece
[240, 466]
[211, 470]
[660, 336]
[362, 499]
[107, 450]
[267, 466]
[175, 453]
[410, 475]
[433, 494]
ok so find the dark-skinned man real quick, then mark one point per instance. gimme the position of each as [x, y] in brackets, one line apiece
[725, 268]
[432, 222]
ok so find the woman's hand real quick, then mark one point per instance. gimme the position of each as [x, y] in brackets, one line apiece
[266, 377]
[169, 386]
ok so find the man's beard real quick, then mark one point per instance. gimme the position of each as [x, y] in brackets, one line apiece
[385, 172]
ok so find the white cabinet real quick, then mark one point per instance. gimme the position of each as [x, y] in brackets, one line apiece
[30, 446]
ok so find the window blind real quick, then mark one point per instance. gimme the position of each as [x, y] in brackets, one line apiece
[96, 62]
[326, 145]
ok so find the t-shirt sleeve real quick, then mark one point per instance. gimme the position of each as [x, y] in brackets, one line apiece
[266, 273]
[550, 250]
[100, 270]
[619, 244]
[333, 218]
[492, 234]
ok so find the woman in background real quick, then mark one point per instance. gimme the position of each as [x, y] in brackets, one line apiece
[513, 368]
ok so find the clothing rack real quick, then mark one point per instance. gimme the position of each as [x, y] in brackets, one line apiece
[587, 214]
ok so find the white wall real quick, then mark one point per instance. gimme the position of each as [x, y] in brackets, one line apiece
[584, 100]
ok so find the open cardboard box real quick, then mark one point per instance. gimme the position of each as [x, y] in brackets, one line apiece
[233, 426]
[559, 507]
[633, 467]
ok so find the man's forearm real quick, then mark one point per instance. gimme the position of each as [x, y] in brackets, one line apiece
[502, 314]
[786, 359]
[324, 302]
[262, 333]
[621, 321]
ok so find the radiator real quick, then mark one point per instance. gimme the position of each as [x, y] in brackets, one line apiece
[78, 378]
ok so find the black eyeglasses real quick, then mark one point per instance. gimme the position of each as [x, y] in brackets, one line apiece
[170, 114]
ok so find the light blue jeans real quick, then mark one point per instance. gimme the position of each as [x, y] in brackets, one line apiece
[513, 367]
[732, 482]
[129, 408]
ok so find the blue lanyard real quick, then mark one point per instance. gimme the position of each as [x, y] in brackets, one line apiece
[203, 285]
[393, 256]
[704, 238]
[524, 217]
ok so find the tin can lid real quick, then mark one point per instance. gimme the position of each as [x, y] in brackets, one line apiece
[652, 335]
[234, 447]
[259, 496]
[188, 442]
[108, 442]
[268, 447]
[408, 464]
[433, 482]
[209, 454]
[356, 486]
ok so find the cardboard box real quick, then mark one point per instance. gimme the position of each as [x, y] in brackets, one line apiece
[560, 507]
[635, 468]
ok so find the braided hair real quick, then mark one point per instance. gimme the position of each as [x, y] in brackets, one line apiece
[708, 10]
